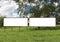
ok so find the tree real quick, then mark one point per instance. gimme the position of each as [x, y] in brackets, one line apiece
[44, 11]
[36, 12]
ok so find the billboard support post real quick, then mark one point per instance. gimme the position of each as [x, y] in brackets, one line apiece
[28, 20]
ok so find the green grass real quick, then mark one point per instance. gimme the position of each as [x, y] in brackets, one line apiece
[29, 35]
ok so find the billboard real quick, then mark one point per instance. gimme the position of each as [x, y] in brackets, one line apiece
[15, 21]
[43, 22]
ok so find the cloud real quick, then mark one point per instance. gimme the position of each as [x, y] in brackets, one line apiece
[7, 8]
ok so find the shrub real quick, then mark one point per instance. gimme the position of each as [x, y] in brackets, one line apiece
[1, 21]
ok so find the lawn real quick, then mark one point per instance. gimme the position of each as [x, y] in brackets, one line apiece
[25, 35]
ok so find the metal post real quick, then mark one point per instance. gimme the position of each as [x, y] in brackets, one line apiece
[28, 22]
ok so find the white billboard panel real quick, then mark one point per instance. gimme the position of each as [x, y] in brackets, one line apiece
[15, 21]
[44, 22]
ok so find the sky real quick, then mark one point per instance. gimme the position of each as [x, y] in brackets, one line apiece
[8, 8]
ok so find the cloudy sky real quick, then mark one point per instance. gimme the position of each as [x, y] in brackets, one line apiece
[8, 8]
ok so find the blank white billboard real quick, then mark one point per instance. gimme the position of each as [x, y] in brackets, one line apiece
[44, 22]
[15, 21]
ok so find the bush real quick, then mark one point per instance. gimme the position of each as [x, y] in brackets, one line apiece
[1, 21]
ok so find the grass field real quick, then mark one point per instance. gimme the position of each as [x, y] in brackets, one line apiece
[26, 35]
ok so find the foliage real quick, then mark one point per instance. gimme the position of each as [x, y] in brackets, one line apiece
[1, 21]
[45, 11]
[16, 0]
[58, 10]
[36, 11]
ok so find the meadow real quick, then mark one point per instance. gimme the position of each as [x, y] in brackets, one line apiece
[31, 34]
